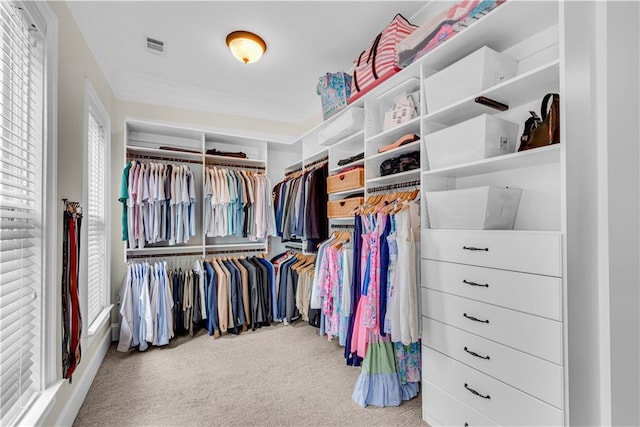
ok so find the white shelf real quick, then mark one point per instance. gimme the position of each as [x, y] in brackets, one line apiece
[412, 126]
[407, 148]
[505, 26]
[294, 166]
[348, 192]
[395, 178]
[237, 246]
[315, 157]
[165, 250]
[523, 159]
[157, 152]
[529, 86]
[348, 165]
[349, 139]
[410, 85]
[233, 160]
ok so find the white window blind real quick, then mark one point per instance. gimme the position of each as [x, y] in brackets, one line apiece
[21, 209]
[96, 230]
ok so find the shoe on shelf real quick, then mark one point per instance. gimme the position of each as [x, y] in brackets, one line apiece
[406, 139]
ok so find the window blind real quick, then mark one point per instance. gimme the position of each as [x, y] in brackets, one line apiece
[96, 230]
[21, 209]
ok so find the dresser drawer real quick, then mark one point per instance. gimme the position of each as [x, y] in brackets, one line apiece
[532, 334]
[531, 293]
[493, 398]
[439, 408]
[530, 374]
[527, 251]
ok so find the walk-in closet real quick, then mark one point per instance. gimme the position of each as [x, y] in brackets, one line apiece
[295, 213]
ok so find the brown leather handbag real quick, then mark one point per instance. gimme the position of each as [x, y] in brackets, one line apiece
[540, 132]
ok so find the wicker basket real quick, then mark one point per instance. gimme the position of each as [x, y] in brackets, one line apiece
[345, 181]
[343, 208]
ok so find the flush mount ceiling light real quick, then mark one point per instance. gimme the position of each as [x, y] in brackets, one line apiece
[246, 46]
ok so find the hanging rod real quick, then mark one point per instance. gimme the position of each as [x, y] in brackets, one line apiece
[234, 251]
[231, 165]
[406, 184]
[293, 248]
[293, 171]
[342, 226]
[137, 256]
[315, 162]
[162, 158]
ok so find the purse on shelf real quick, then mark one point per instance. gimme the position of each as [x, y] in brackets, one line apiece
[403, 110]
[545, 130]
[402, 163]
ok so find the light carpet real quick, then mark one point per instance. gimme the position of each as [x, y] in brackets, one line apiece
[278, 375]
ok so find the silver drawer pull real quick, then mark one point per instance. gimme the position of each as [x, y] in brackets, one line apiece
[475, 319]
[472, 248]
[473, 353]
[475, 392]
[486, 285]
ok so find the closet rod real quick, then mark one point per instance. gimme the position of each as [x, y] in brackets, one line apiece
[406, 184]
[324, 159]
[293, 171]
[234, 165]
[351, 226]
[134, 256]
[235, 251]
[163, 158]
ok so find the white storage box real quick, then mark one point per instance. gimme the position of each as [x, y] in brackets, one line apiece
[474, 73]
[475, 139]
[479, 208]
[344, 124]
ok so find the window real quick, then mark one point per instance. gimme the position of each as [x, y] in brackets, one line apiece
[98, 131]
[22, 216]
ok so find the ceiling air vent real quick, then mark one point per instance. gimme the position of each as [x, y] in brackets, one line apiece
[155, 46]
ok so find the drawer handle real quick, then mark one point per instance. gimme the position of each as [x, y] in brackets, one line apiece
[472, 248]
[486, 285]
[473, 353]
[343, 203]
[475, 392]
[475, 319]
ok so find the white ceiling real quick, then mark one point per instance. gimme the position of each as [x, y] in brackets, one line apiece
[305, 39]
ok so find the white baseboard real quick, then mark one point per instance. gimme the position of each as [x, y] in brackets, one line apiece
[81, 387]
[115, 332]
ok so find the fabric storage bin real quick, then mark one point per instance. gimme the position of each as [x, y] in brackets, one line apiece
[479, 138]
[478, 71]
[345, 181]
[480, 208]
[343, 208]
[347, 123]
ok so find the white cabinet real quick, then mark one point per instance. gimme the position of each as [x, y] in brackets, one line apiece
[493, 317]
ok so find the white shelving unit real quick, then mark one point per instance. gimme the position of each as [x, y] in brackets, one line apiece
[529, 32]
[162, 142]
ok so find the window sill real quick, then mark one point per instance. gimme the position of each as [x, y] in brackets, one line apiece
[41, 406]
[98, 323]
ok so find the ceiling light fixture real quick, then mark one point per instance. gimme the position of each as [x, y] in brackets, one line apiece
[246, 46]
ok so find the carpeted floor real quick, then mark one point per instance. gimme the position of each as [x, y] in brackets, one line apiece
[280, 375]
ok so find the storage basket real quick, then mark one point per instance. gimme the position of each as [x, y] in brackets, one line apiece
[479, 208]
[347, 123]
[475, 139]
[345, 181]
[343, 208]
[474, 73]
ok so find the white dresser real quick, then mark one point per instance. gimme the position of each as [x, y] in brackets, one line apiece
[492, 330]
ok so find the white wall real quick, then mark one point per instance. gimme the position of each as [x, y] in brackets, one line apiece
[76, 64]
[623, 137]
